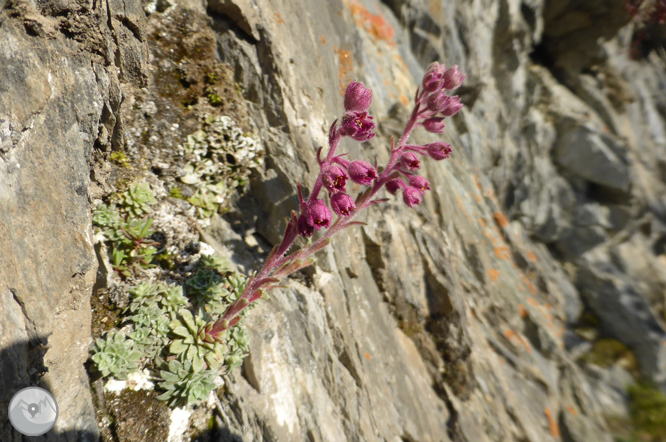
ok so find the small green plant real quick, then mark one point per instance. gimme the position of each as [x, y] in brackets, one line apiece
[144, 294]
[106, 216]
[128, 235]
[138, 199]
[176, 193]
[214, 262]
[173, 299]
[205, 201]
[146, 340]
[167, 326]
[116, 356]
[120, 158]
[191, 346]
[214, 99]
[184, 385]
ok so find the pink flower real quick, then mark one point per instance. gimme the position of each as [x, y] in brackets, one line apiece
[362, 172]
[394, 185]
[357, 125]
[342, 204]
[419, 183]
[319, 215]
[452, 107]
[434, 125]
[433, 78]
[335, 179]
[357, 97]
[304, 229]
[410, 161]
[453, 78]
[411, 197]
[439, 150]
[438, 101]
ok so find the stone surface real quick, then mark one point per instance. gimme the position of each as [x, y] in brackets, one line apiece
[452, 321]
[55, 94]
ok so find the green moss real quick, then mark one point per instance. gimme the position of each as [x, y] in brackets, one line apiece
[212, 78]
[120, 158]
[607, 352]
[214, 99]
[648, 411]
[176, 193]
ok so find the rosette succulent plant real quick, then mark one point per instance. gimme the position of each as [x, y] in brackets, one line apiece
[184, 385]
[138, 199]
[191, 343]
[116, 355]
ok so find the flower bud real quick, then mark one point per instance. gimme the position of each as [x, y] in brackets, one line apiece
[409, 161]
[342, 204]
[439, 150]
[394, 185]
[304, 229]
[419, 183]
[453, 105]
[362, 172]
[453, 78]
[357, 97]
[357, 125]
[434, 125]
[319, 215]
[432, 79]
[438, 101]
[411, 197]
[335, 179]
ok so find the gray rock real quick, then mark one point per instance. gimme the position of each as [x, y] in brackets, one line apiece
[441, 323]
[53, 96]
[585, 153]
[624, 312]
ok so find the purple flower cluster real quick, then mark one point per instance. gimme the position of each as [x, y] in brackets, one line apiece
[336, 170]
[432, 105]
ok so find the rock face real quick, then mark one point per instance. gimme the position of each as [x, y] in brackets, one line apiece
[446, 322]
[59, 99]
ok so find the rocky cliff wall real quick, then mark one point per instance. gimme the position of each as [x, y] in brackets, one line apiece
[460, 320]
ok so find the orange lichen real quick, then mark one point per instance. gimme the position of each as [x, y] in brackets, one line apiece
[345, 63]
[531, 256]
[533, 302]
[503, 253]
[528, 283]
[481, 221]
[554, 428]
[464, 211]
[494, 274]
[572, 410]
[323, 40]
[512, 334]
[522, 311]
[404, 100]
[374, 24]
[278, 18]
[500, 219]
[367, 356]
[478, 198]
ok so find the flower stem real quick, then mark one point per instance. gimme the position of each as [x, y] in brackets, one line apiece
[277, 259]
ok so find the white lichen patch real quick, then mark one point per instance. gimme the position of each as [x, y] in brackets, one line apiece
[180, 422]
[139, 380]
[220, 158]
